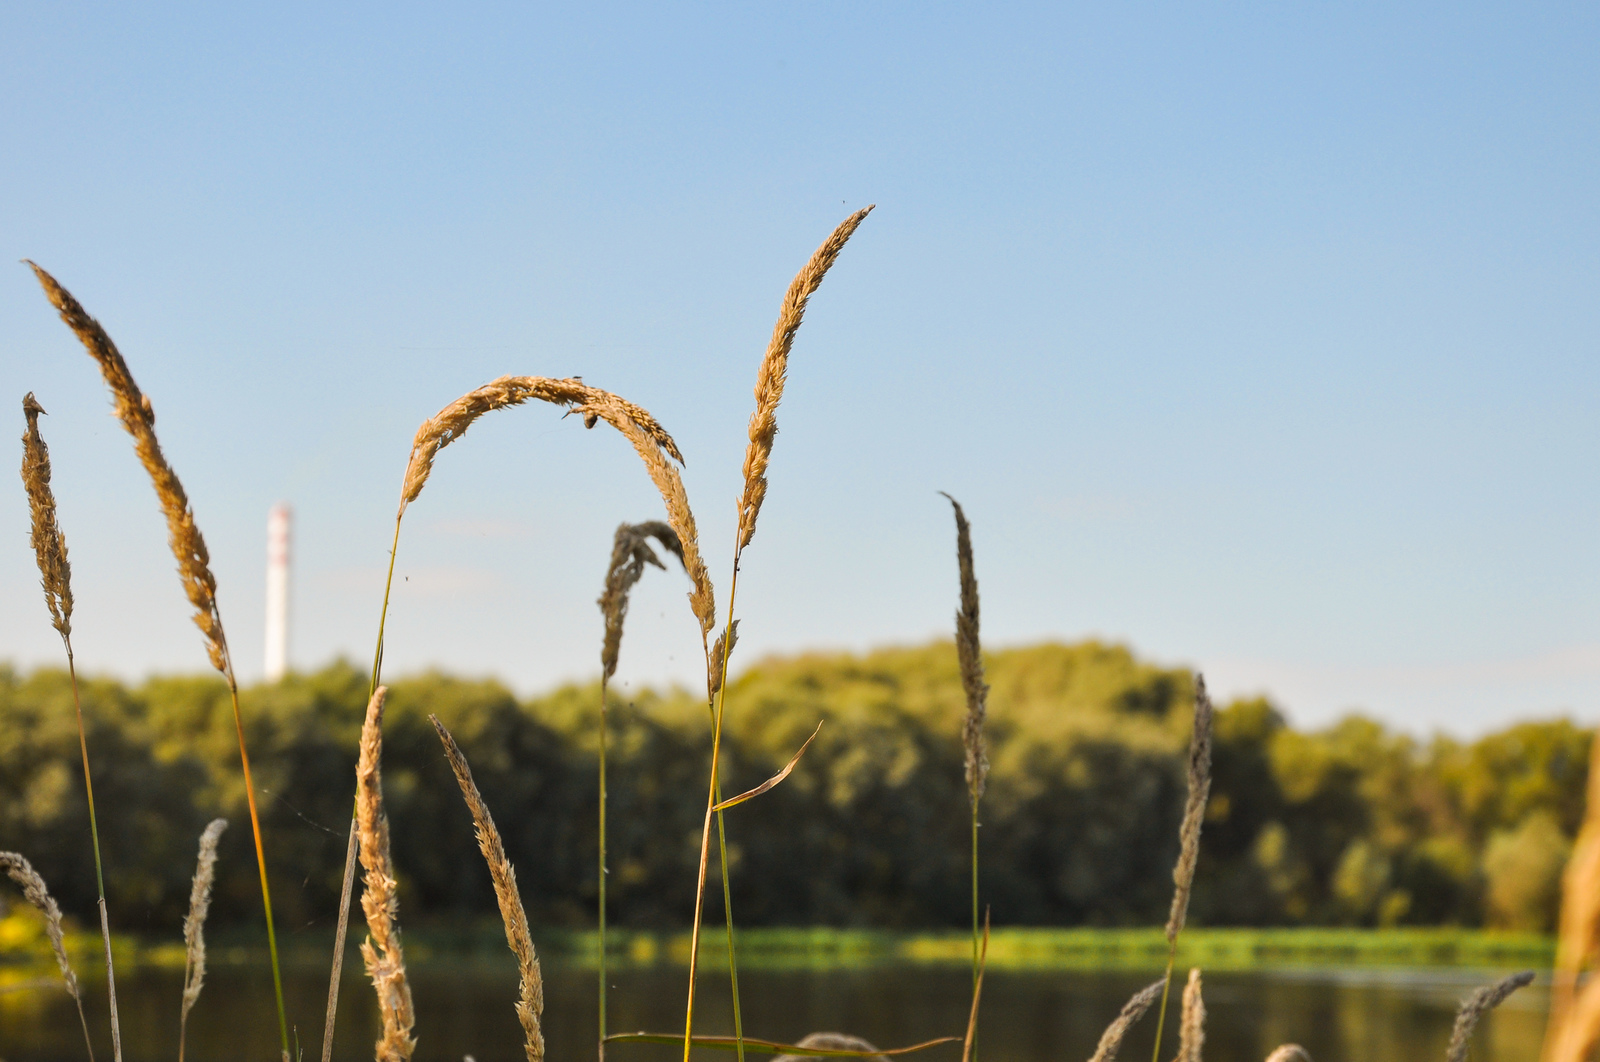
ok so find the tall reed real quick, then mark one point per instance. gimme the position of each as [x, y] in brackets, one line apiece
[380, 900]
[1573, 1029]
[770, 380]
[655, 448]
[138, 417]
[55, 577]
[36, 893]
[970, 656]
[194, 938]
[630, 552]
[530, 992]
[1194, 813]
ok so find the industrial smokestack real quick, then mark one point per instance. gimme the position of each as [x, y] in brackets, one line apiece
[278, 591]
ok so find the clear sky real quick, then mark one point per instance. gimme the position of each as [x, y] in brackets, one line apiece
[1259, 337]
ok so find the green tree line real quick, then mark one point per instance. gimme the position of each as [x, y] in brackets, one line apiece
[1351, 825]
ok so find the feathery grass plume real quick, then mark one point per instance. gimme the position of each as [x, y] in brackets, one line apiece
[1573, 1028]
[49, 544]
[1194, 811]
[138, 417]
[530, 999]
[770, 380]
[630, 552]
[775, 368]
[1289, 1053]
[1475, 1006]
[970, 655]
[55, 578]
[34, 891]
[385, 962]
[1192, 1032]
[1132, 1011]
[194, 937]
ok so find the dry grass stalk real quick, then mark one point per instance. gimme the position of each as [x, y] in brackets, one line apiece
[1132, 1011]
[1194, 810]
[774, 371]
[134, 410]
[36, 893]
[49, 545]
[188, 547]
[1573, 1030]
[970, 654]
[630, 552]
[1475, 1006]
[385, 962]
[194, 938]
[1289, 1053]
[530, 1001]
[1192, 1031]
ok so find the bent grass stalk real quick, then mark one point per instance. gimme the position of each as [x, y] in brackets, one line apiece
[770, 379]
[37, 894]
[138, 417]
[1132, 1011]
[1475, 1006]
[650, 440]
[55, 578]
[1194, 810]
[380, 902]
[630, 552]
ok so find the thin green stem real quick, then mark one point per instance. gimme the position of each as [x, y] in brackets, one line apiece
[1161, 1018]
[261, 863]
[341, 930]
[602, 873]
[712, 798]
[99, 872]
[977, 961]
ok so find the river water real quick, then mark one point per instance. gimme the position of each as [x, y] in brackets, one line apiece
[1359, 1016]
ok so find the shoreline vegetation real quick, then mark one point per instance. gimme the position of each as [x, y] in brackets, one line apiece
[25, 956]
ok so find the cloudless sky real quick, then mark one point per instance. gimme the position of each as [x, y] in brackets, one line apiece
[1261, 338]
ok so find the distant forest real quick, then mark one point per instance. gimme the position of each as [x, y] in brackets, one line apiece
[1351, 825]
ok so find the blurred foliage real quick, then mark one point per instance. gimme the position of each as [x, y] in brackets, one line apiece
[1354, 825]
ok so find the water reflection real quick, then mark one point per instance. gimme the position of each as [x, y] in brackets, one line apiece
[1366, 1016]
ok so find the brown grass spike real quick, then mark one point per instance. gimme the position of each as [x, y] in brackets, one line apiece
[970, 655]
[1192, 1031]
[1475, 1006]
[133, 408]
[1194, 810]
[35, 892]
[774, 372]
[1289, 1053]
[49, 544]
[1132, 1011]
[630, 552]
[386, 963]
[530, 1001]
[194, 938]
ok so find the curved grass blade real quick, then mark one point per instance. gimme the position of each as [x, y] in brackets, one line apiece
[770, 782]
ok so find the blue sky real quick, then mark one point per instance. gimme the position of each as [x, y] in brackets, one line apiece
[1259, 338]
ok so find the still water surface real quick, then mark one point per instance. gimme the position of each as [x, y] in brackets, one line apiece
[1047, 1016]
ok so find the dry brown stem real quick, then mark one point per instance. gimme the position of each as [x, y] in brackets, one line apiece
[1132, 1011]
[1475, 1006]
[36, 893]
[970, 654]
[134, 410]
[1574, 1026]
[385, 962]
[1192, 1030]
[1194, 810]
[49, 544]
[630, 552]
[530, 1001]
[774, 371]
[194, 938]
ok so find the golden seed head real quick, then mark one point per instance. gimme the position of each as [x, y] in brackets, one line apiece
[49, 544]
[630, 552]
